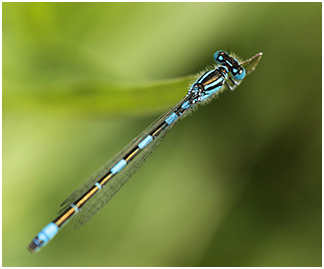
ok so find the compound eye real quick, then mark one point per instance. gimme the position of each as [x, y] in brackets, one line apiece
[238, 73]
[219, 57]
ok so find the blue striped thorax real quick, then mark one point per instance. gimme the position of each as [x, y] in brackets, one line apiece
[212, 81]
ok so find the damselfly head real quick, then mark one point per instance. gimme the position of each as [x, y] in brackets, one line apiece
[223, 59]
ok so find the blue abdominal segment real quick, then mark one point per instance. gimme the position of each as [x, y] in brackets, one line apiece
[119, 166]
[171, 118]
[147, 140]
[43, 237]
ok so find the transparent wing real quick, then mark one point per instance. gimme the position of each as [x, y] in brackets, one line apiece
[111, 188]
[249, 66]
[102, 197]
[87, 185]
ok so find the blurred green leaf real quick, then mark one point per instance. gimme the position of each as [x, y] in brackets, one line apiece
[102, 98]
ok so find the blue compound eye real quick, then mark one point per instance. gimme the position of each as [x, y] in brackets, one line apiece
[238, 73]
[219, 57]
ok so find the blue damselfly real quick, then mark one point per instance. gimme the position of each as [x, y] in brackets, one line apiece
[86, 200]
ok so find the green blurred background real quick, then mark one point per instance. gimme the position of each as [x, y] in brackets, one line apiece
[238, 183]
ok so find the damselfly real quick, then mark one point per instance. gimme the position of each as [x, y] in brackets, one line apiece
[86, 200]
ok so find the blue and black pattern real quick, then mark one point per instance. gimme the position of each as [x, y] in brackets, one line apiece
[85, 201]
